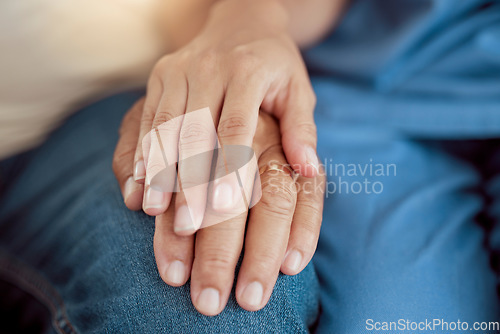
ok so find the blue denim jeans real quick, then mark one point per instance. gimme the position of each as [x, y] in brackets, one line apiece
[67, 239]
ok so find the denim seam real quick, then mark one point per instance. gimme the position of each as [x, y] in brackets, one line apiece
[20, 275]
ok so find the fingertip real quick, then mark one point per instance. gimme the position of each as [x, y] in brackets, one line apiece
[312, 162]
[132, 194]
[153, 212]
[155, 202]
[292, 262]
[183, 221]
[134, 201]
[251, 296]
[303, 159]
[139, 171]
[208, 302]
[174, 274]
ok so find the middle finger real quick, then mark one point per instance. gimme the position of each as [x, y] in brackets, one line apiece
[217, 250]
[197, 140]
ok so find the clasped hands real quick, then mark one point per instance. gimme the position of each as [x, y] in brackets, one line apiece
[234, 75]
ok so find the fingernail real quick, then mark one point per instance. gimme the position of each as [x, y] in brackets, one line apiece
[208, 301]
[252, 295]
[128, 189]
[293, 260]
[154, 199]
[175, 273]
[312, 158]
[223, 197]
[183, 220]
[139, 170]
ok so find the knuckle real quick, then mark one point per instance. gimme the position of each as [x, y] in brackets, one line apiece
[308, 128]
[153, 170]
[218, 260]
[266, 262]
[269, 259]
[162, 117]
[146, 125]
[279, 197]
[155, 165]
[246, 62]
[155, 162]
[207, 62]
[193, 133]
[162, 65]
[168, 66]
[313, 209]
[234, 126]
[148, 114]
[309, 229]
[302, 128]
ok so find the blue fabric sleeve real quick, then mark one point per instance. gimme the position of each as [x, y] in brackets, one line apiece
[430, 68]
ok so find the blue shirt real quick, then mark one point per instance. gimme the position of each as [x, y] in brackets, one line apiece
[428, 68]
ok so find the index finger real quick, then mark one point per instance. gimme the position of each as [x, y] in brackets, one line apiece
[237, 126]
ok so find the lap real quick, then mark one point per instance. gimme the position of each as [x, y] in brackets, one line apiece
[416, 250]
[66, 233]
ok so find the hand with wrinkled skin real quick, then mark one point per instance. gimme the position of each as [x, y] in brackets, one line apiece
[282, 231]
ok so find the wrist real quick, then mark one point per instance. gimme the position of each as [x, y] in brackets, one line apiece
[257, 14]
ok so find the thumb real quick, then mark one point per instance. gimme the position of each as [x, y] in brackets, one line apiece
[298, 132]
[123, 158]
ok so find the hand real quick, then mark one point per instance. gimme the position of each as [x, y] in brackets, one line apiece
[243, 60]
[281, 233]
